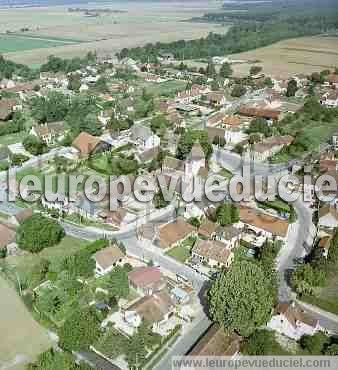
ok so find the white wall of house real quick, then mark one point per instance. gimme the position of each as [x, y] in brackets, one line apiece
[100, 271]
[328, 221]
[281, 324]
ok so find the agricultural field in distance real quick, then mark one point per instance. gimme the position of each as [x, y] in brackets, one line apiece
[285, 58]
[107, 33]
[14, 43]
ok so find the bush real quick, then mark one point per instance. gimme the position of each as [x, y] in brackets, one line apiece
[34, 145]
[3, 252]
[39, 232]
[314, 344]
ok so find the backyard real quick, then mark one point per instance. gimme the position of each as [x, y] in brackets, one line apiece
[24, 263]
[183, 251]
[326, 297]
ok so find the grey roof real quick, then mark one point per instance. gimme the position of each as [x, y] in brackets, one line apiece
[140, 132]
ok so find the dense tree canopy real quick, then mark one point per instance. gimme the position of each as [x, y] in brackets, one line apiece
[240, 299]
[226, 70]
[79, 330]
[34, 145]
[227, 214]
[39, 232]
[187, 140]
[243, 36]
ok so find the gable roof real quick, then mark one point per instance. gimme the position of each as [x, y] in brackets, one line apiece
[232, 120]
[172, 163]
[215, 342]
[6, 108]
[259, 112]
[107, 257]
[140, 132]
[212, 249]
[271, 142]
[86, 143]
[294, 314]
[215, 119]
[53, 128]
[263, 221]
[328, 209]
[143, 277]
[207, 228]
[153, 308]
[173, 232]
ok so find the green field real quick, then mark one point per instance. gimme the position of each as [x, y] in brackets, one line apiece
[326, 297]
[13, 43]
[12, 138]
[22, 338]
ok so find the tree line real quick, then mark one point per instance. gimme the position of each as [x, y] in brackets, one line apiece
[241, 37]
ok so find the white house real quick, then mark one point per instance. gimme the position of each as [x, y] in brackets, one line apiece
[144, 138]
[49, 133]
[330, 99]
[263, 224]
[328, 216]
[195, 161]
[107, 259]
[155, 310]
[270, 146]
[212, 252]
[293, 322]
[230, 236]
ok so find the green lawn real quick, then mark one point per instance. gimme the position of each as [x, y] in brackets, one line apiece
[326, 297]
[11, 139]
[182, 252]
[66, 247]
[278, 204]
[323, 303]
[13, 43]
[168, 88]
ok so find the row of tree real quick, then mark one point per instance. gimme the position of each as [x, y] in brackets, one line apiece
[241, 37]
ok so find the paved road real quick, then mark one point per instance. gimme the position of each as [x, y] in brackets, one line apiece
[184, 343]
[300, 233]
[299, 241]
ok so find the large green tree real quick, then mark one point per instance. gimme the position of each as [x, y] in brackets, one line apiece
[39, 232]
[227, 214]
[292, 88]
[240, 299]
[314, 344]
[34, 145]
[187, 140]
[80, 330]
[226, 70]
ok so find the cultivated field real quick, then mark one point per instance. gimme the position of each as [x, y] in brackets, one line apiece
[140, 24]
[285, 58]
[22, 338]
[14, 43]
